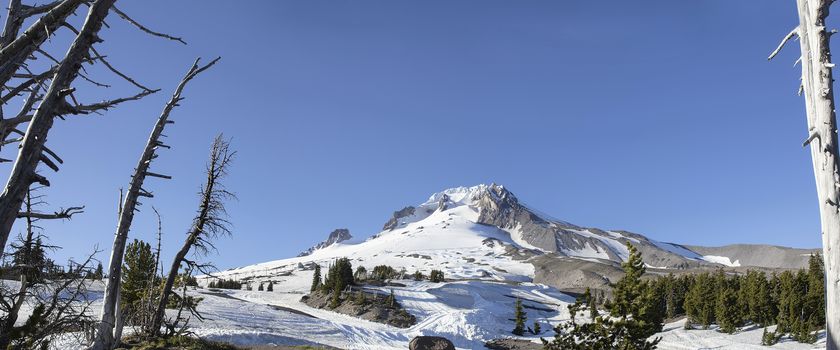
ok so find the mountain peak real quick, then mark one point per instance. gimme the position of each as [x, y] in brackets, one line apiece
[336, 236]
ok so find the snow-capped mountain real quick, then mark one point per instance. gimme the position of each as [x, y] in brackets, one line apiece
[484, 231]
[493, 249]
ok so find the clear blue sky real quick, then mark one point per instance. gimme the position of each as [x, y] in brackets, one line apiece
[659, 117]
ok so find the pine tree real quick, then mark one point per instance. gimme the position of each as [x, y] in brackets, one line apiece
[815, 297]
[270, 287]
[336, 296]
[360, 274]
[635, 304]
[260, 288]
[727, 312]
[700, 300]
[537, 328]
[316, 279]
[633, 317]
[99, 273]
[138, 273]
[519, 318]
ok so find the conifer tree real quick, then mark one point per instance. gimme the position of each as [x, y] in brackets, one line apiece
[519, 318]
[270, 287]
[700, 300]
[316, 279]
[138, 273]
[631, 323]
[727, 312]
[99, 274]
[815, 297]
[635, 304]
[537, 328]
[260, 288]
[336, 296]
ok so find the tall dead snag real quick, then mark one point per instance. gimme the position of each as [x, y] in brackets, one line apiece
[817, 85]
[32, 149]
[208, 224]
[107, 326]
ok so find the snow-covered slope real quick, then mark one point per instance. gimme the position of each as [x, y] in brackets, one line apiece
[492, 249]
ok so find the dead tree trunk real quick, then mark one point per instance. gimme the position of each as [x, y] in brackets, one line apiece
[105, 333]
[208, 223]
[817, 85]
[31, 150]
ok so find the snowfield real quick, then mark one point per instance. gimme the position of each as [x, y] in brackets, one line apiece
[486, 272]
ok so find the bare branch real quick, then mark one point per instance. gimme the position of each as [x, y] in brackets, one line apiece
[143, 28]
[61, 214]
[787, 37]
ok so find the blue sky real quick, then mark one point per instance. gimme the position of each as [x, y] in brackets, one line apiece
[658, 117]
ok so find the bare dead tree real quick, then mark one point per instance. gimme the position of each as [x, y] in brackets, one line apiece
[60, 305]
[14, 53]
[818, 87]
[209, 223]
[107, 326]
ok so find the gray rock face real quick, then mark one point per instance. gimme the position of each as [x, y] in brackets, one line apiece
[338, 235]
[430, 343]
[761, 255]
[499, 207]
[444, 199]
[395, 219]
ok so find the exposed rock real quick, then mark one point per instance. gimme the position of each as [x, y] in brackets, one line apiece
[375, 308]
[444, 199]
[338, 235]
[761, 255]
[566, 273]
[395, 219]
[425, 342]
[512, 344]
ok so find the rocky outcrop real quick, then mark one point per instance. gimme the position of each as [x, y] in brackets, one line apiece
[760, 255]
[425, 342]
[512, 344]
[338, 235]
[442, 202]
[395, 219]
[373, 307]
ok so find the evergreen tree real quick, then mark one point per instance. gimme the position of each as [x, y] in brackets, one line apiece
[815, 297]
[519, 318]
[260, 288]
[336, 296]
[316, 279]
[727, 312]
[360, 274]
[700, 300]
[270, 287]
[635, 304]
[537, 328]
[138, 273]
[99, 273]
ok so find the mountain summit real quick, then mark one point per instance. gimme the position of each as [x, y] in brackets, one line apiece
[337, 236]
[486, 232]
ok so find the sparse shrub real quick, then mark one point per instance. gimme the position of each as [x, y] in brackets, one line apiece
[436, 276]
[383, 272]
[360, 274]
